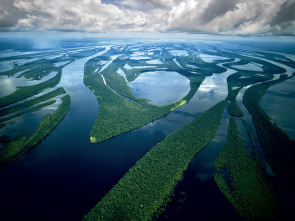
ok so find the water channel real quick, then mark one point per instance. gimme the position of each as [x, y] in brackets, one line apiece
[65, 175]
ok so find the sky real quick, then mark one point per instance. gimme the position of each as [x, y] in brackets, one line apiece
[234, 17]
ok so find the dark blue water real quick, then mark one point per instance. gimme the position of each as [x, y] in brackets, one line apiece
[65, 175]
[262, 43]
[197, 195]
[276, 97]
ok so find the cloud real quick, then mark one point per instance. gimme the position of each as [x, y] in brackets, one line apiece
[228, 17]
[217, 8]
[285, 13]
[210, 16]
[284, 20]
[145, 5]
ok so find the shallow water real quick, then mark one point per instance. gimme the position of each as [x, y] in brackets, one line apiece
[9, 84]
[176, 62]
[203, 199]
[248, 118]
[279, 104]
[249, 67]
[211, 91]
[160, 87]
[140, 58]
[122, 73]
[8, 65]
[157, 61]
[210, 58]
[178, 52]
[128, 67]
[65, 175]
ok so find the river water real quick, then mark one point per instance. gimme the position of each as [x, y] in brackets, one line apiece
[160, 87]
[279, 104]
[65, 175]
[201, 197]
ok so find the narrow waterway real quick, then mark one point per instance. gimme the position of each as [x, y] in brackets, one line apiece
[212, 90]
[39, 179]
[65, 175]
[279, 104]
[197, 195]
[248, 119]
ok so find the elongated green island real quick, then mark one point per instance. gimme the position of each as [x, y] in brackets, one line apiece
[32, 109]
[278, 147]
[28, 91]
[119, 110]
[32, 102]
[243, 181]
[20, 145]
[148, 185]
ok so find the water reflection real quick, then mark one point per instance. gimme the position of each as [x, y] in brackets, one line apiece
[276, 97]
[212, 90]
[9, 84]
[249, 67]
[210, 58]
[160, 87]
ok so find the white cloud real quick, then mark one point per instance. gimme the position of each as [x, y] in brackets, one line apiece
[213, 16]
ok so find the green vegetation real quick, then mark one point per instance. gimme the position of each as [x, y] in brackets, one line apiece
[278, 147]
[117, 82]
[32, 102]
[202, 66]
[13, 148]
[132, 74]
[117, 113]
[24, 56]
[244, 78]
[37, 69]
[85, 53]
[267, 67]
[36, 108]
[20, 145]
[149, 184]
[25, 92]
[254, 152]
[236, 82]
[234, 110]
[195, 82]
[248, 187]
[40, 69]
[277, 58]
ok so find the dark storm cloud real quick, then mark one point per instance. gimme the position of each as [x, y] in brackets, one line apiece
[208, 16]
[9, 15]
[146, 5]
[286, 13]
[218, 8]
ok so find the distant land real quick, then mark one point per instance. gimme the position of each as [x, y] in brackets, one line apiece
[154, 127]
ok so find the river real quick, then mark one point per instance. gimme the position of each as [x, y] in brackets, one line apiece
[65, 175]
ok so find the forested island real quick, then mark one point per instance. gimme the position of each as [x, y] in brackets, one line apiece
[121, 123]
[17, 147]
[147, 186]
